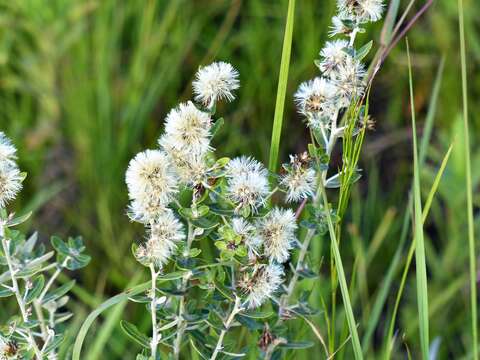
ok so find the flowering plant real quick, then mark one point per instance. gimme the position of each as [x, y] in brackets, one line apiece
[29, 274]
[224, 248]
[216, 247]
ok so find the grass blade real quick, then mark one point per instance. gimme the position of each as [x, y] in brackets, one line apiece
[77, 348]
[379, 303]
[352, 325]
[468, 181]
[282, 88]
[421, 268]
[411, 251]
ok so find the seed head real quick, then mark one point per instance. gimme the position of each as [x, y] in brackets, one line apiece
[299, 179]
[164, 234]
[247, 183]
[7, 149]
[333, 55]
[316, 100]
[361, 11]
[277, 232]
[261, 283]
[187, 131]
[249, 235]
[214, 82]
[10, 181]
[151, 181]
[350, 81]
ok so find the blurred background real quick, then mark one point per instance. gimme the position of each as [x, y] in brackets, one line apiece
[84, 85]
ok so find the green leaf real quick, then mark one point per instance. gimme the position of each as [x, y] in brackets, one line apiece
[58, 292]
[333, 182]
[221, 245]
[224, 291]
[222, 162]
[282, 88]
[19, 219]
[298, 345]
[141, 299]
[34, 266]
[219, 211]
[216, 126]
[4, 292]
[59, 245]
[241, 251]
[54, 344]
[194, 252]
[132, 331]
[363, 51]
[78, 262]
[194, 213]
[36, 289]
[469, 187]
[257, 314]
[172, 276]
[76, 243]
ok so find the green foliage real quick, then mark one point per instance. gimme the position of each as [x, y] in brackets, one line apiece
[36, 328]
[81, 92]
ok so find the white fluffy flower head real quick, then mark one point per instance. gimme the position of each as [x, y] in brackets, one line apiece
[338, 27]
[247, 183]
[350, 81]
[361, 11]
[316, 100]
[277, 231]
[248, 233]
[261, 284]
[7, 149]
[214, 82]
[10, 182]
[150, 175]
[187, 131]
[299, 179]
[191, 170]
[162, 241]
[333, 56]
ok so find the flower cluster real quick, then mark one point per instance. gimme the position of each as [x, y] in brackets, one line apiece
[10, 176]
[343, 74]
[184, 165]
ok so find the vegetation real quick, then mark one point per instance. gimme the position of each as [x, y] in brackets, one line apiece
[85, 85]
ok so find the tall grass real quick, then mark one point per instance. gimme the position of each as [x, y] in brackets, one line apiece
[421, 268]
[98, 91]
[468, 184]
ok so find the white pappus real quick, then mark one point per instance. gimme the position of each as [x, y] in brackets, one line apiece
[214, 82]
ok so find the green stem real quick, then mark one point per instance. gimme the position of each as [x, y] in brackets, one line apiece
[342, 280]
[18, 296]
[468, 183]
[181, 325]
[228, 323]
[153, 312]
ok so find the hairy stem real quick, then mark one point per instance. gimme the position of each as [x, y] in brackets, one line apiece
[16, 290]
[153, 311]
[228, 323]
[37, 303]
[181, 325]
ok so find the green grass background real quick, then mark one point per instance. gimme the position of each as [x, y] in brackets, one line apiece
[84, 85]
